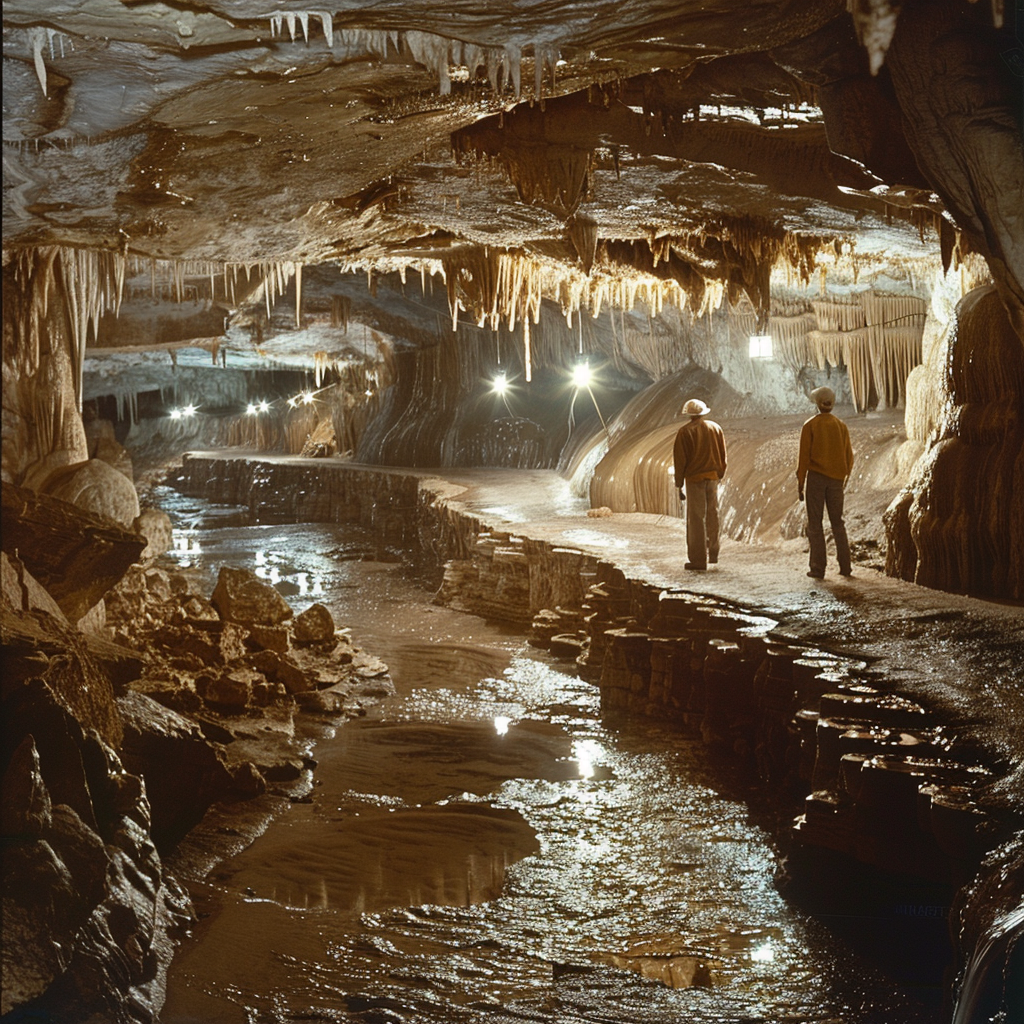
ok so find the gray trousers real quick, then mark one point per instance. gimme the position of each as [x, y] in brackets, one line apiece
[701, 521]
[823, 492]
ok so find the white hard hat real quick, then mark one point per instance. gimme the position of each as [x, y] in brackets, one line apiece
[695, 407]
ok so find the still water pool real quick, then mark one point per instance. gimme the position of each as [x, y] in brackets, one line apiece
[482, 847]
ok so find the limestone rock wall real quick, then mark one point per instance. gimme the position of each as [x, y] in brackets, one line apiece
[88, 909]
[959, 523]
[306, 490]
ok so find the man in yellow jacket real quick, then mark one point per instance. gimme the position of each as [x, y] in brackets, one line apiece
[826, 459]
[699, 463]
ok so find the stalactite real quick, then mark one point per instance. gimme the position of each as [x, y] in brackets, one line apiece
[92, 281]
[875, 23]
[876, 336]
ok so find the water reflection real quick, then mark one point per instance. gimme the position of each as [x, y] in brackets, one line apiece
[483, 847]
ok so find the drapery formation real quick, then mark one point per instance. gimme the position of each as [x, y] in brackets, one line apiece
[959, 524]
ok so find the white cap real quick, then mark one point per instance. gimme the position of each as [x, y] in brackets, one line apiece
[695, 407]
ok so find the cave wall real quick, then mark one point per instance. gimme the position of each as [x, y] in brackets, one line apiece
[959, 523]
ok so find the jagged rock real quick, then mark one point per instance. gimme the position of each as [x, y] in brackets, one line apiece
[156, 527]
[282, 669]
[94, 621]
[283, 771]
[26, 801]
[158, 583]
[52, 686]
[97, 487]
[325, 702]
[328, 677]
[270, 638]
[183, 773]
[75, 554]
[241, 596]
[247, 781]
[367, 666]
[210, 647]
[199, 611]
[344, 652]
[232, 689]
[314, 625]
[22, 592]
[39, 893]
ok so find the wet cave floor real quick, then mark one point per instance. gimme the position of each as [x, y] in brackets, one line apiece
[482, 846]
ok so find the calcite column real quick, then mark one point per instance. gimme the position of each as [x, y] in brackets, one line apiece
[959, 523]
[42, 427]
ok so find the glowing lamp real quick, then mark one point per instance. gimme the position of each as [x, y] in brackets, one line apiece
[175, 414]
[760, 346]
[307, 397]
[500, 384]
[189, 410]
[581, 375]
[264, 406]
[250, 409]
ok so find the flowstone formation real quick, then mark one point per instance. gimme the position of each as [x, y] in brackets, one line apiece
[959, 525]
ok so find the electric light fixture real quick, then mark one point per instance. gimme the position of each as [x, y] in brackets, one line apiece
[500, 384]
[581, 375]
[760, 346]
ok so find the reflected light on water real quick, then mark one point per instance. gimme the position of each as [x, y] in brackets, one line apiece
[185, 547]
[764, 953]
[501, 724]
[587, 754]
[261, 558]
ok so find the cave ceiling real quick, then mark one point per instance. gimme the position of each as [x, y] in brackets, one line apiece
[686, 141]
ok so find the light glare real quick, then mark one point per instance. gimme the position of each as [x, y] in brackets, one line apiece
[760, 346]
[581, 375]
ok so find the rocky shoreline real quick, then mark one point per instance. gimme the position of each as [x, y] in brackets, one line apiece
[145, 752]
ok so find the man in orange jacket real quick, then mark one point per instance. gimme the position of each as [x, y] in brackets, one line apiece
[825, 462]
[699, 458]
